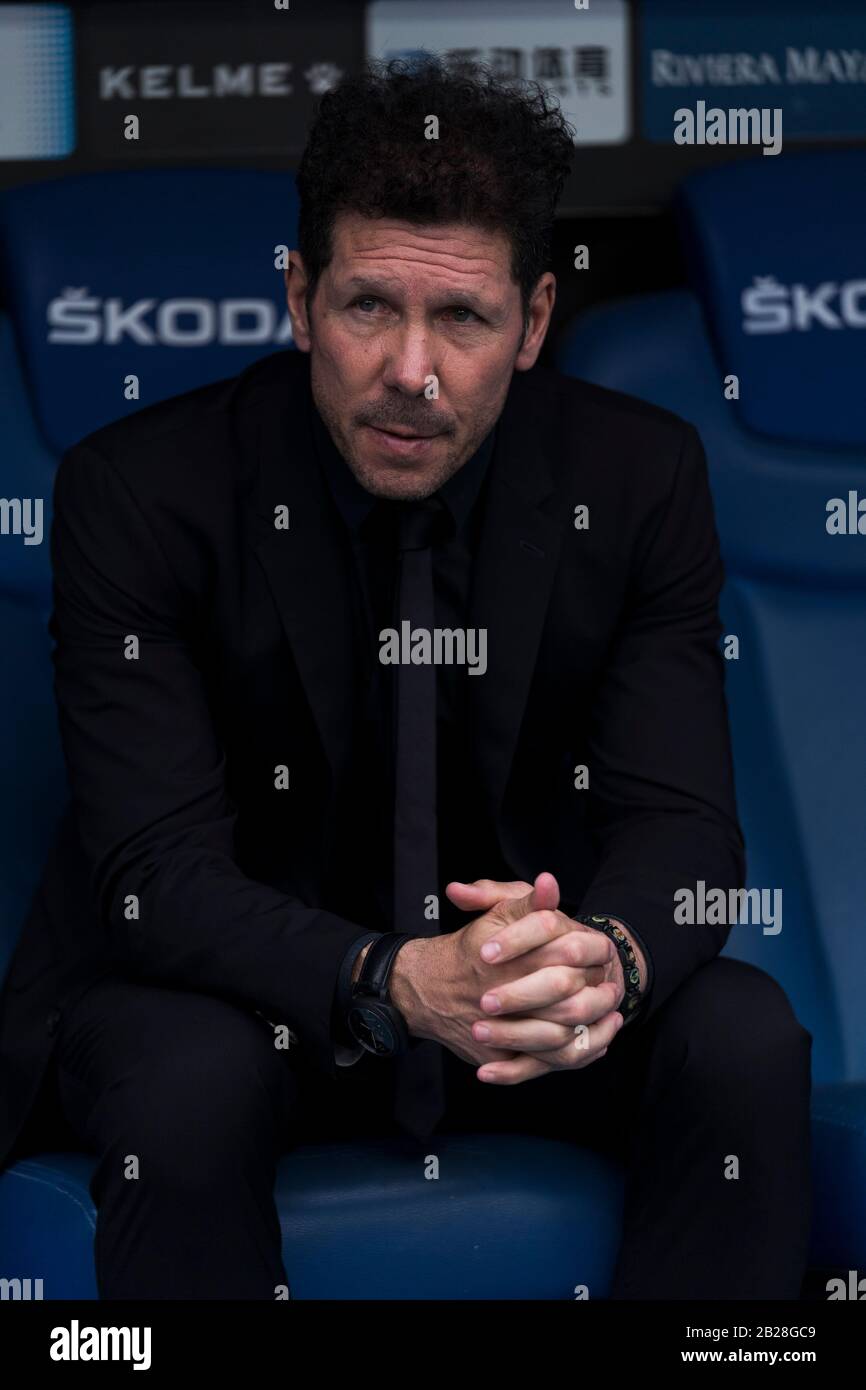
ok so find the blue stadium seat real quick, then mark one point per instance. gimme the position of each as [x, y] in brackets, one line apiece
[510, 1217]
[168, 275]
[32, 775]
[777, 298]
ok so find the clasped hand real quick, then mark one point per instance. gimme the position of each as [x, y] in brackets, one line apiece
[549, 986]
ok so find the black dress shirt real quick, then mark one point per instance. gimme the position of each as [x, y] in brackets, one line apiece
[364, 834]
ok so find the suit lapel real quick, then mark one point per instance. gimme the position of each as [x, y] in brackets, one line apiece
[308, 569]
[515, 566]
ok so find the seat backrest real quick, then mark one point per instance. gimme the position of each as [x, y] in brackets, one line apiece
[778, 301]
[168, 276]
[32, 776]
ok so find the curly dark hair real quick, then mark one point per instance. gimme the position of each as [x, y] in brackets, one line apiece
[503, 155]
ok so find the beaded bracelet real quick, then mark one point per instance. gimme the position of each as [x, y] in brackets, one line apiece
[632, 998]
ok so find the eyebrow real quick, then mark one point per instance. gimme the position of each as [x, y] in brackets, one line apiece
[464, 298]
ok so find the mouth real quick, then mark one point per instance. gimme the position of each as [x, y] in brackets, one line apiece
[400, 442]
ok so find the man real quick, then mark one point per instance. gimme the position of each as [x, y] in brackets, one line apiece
[391, 696]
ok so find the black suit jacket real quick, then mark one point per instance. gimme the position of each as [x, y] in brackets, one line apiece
[200, 647]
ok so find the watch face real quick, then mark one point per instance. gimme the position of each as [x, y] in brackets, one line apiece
[372, 1026]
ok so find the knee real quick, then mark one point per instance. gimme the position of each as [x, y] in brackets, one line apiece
[199, 1111]
[736, 1024]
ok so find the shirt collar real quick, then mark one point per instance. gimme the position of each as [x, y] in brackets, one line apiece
[459, 494]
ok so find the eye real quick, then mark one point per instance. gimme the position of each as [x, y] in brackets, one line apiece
[368, 303]
[461, 309]
[364, 299]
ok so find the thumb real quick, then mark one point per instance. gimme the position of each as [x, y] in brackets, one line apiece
[519, 897]
[484, 893]
[545, 894]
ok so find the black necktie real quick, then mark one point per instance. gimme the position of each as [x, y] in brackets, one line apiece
[419, 1093]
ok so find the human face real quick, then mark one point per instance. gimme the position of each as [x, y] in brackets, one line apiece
[413, 337]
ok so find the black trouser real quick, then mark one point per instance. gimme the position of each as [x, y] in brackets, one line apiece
[193, 1091]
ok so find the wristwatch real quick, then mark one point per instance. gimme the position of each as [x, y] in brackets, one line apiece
[374, 1022]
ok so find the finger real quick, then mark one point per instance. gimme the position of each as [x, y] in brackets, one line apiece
[515, 938]
[545, 891]
[577, 949]
[548, 986]
[588, 1044]
[558, 952]
[484, 893]
[590, 1005]
[523, 1068]
[520, 898]
[529, 1034]
[544, 896]
[571, 1010]
[527, 1066]
[523, 933]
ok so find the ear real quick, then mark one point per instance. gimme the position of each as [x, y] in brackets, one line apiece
[540, 310]
[296, 281]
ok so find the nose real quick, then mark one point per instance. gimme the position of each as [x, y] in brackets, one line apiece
[409, 364]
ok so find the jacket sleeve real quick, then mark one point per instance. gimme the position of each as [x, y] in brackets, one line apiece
[147, 780]
[661, 791]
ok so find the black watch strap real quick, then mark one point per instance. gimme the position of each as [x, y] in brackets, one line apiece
[374, 973]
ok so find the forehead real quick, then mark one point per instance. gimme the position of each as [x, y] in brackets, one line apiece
[408, 252]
